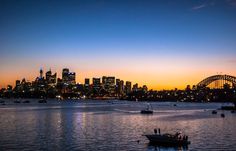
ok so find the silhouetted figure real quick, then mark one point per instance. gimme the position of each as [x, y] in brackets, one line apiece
[159, 130]
[155, 131]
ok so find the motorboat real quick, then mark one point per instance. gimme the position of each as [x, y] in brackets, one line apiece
[214, 112]
[42, 101]
[176, 139]
[222, 115]
[17, 101]
[148, 110]
[26, 101]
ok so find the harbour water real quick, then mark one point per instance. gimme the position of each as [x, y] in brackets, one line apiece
[111, 125]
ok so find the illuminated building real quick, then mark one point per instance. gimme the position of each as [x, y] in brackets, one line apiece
[109, 84]
[71, 79]
[96, 84]
[121, 87]
[86, 82]
[145, 88]
[68, 77]
[65, 75]
[128, 87]
[135, 87]
[41, 73]
[51, 79]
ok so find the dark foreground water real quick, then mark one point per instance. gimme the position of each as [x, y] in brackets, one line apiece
[117, 126]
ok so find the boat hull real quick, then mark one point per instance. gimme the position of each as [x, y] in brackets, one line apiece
[146, 112]
[166, 141]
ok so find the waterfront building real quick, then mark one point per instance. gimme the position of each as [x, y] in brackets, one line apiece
[96, 84]
[65, 75]
[72, 77]
[86, 82]
[128, 87]
[145, 88]
[135, 87]
[51, 79]
[109, 85]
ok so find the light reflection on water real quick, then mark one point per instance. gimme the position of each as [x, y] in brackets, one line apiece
[96, 125]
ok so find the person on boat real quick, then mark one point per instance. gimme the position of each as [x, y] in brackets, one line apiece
[155, 131]
[159, 131]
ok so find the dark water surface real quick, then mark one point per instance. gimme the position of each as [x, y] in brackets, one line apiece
[117, 126]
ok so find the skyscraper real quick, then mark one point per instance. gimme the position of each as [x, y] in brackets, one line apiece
[97, 84]
[65, 75]
[41, 73]
[72, 77]
[51, 79]
[128, 87]
[86, 82]
[68, 78]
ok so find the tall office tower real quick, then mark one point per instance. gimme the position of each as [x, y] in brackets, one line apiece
[65, 75]
[17, 83]
[41, 73]
[145, 88]
[48, 75]
[121, 87]
[135, 87]
[111, 85]
[86, 82]
[51, 79]
[117, 86]
[97, 84]
[128, 87]
[71, 78]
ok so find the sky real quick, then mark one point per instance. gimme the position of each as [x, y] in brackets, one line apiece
[164, 44]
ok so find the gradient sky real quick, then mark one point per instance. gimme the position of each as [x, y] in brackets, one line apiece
[164, 44]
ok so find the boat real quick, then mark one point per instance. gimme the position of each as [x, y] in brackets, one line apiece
[17, 101]
[148, 110]
[2, 101]
[42, 101]
[214, 112]
[26, 101]
[176, 139]
[222, 115]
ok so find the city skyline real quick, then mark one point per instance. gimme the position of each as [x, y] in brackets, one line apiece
[161, 44]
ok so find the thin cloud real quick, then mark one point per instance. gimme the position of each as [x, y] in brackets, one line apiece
[231, 2]
[199, 7]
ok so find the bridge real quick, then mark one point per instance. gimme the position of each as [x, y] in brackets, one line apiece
[218, 81]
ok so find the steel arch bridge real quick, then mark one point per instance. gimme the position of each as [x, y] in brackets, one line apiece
[211, 79]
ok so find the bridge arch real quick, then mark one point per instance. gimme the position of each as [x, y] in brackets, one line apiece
[209, 80]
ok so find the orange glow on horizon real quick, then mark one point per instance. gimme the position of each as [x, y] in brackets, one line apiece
[155, 81]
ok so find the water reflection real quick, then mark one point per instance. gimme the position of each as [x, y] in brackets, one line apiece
[152, 147]
[99, 126]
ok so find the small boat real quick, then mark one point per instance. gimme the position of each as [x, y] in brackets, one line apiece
[233, 111]
[148, 110]
[214, 112]
[2, 101]
[42, 101]
[26, 101]
[17, 101]
[168, 139]
[222, 115]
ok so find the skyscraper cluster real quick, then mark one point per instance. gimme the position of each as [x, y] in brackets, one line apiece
[49, 85]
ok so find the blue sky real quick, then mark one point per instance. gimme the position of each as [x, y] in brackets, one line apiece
[95, 35]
